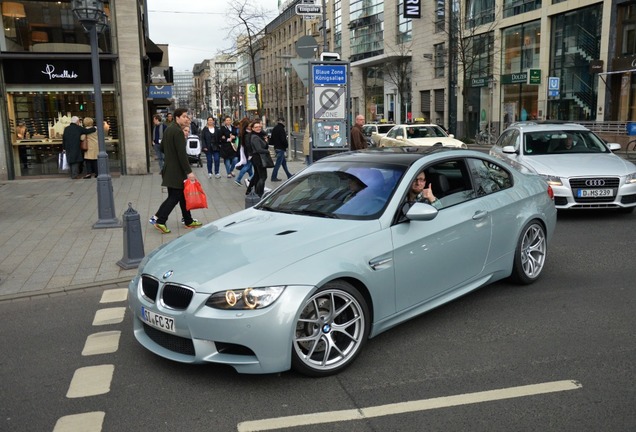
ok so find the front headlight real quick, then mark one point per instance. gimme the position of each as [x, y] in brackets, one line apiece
[552, 180]
[242, 299]
[631, 178]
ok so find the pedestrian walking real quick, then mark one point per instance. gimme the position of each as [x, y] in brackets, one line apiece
[258, 146]
[228, 146]
[358, 141]
[281, 144]
[71, 143]
[176, 170]
[157, 135]
[210, 146]
[243, 149]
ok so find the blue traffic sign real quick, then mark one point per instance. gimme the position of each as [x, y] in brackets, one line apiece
[330, 74]
[554, 85]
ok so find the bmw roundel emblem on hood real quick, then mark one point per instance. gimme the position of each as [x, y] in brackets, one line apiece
[167, 274]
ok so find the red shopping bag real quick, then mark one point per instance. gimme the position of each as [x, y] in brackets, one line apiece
[194, 195]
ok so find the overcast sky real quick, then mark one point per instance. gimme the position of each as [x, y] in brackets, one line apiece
[195, 30]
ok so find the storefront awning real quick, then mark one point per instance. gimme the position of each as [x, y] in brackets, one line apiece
[160, 102]
[153, 52]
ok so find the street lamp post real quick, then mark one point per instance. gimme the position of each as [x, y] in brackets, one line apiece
[91, 14]
[491, 86]
[287, 69]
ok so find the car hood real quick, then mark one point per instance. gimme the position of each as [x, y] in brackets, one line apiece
[242, 249]
[576, 165]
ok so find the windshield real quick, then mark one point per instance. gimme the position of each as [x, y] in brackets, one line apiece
[368, 129]
[337, 190]
[562, 142]
[425, 132]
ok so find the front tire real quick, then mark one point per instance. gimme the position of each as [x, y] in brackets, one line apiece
[530, 254]
[331, 329]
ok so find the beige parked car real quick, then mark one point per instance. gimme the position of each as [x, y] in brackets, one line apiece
[419, 135]
[374, 131]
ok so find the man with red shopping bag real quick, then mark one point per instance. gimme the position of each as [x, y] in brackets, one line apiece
[175, 170]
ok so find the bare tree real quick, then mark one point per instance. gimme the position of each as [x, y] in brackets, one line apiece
[471, 50]
[246, 22]
[398, 72]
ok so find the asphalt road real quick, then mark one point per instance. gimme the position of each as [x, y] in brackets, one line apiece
[471, 365]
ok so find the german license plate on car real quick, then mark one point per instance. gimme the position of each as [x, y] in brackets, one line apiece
[157, 320]
[595, 193]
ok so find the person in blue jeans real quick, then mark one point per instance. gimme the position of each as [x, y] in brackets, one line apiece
[280, 143]
[210, 142]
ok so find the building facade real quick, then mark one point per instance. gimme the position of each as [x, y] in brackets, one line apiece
[473, 63]
[46, 78]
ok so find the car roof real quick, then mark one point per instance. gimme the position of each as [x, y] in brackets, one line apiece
[417, 124]
[392, 155]
[548, 125]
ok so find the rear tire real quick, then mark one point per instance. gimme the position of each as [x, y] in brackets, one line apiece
[530, 254]
[331, 329]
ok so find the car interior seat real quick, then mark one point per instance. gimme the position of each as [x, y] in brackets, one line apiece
[439, 184]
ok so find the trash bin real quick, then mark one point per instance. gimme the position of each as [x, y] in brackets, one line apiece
[631, 128]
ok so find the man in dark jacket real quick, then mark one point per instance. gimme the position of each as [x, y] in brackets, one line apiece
[176, 170]
[280, 143]
[71, 143]
[358, 141]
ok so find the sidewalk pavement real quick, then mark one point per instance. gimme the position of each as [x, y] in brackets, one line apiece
[48, 245]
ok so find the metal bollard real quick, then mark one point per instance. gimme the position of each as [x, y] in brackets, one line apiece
[133, 240]
[252, 199]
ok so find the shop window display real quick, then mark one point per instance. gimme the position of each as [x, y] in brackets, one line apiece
[37, 122]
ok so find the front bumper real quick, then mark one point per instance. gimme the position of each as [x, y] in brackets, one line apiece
[251, 341]
[566, 196]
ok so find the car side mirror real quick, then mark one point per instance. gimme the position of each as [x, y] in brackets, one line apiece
[451, 135]
[614, 146]
[509, 150]
[421, 212]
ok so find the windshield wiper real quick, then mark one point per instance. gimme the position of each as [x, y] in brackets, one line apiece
[314, 213]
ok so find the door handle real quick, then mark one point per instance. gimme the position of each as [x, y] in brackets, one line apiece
[480, 214]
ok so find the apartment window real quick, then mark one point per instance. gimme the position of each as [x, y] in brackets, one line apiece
[46, 26]
[440, 16]
[439, 100]
[517, 7]
[440, 58]
[404, 25]
[479, 12]
[480, 52]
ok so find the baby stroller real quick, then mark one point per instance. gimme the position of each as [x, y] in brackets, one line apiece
[193, 149]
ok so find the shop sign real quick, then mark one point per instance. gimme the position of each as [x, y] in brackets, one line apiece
[534, 76]
[516, 78]
[478, 82]
[412, 9]
[158, 92]
[45, 72]
[596, 66]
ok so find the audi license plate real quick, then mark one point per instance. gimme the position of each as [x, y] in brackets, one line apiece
[595, 193]
[156, 320]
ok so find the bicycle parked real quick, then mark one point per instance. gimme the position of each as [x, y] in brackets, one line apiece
[483, 137]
